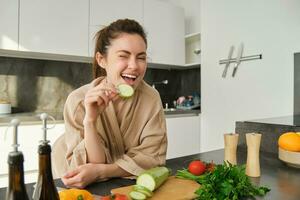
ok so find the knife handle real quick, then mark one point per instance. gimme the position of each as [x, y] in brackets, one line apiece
[234, 70]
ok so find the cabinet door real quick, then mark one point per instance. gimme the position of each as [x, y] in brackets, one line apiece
[92, 39]
[28, 138]
[164, 24]
[103, 12]
[54, 26]
[183, 136]
[9, 24]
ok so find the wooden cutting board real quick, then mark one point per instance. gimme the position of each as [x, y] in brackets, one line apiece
[174, 188]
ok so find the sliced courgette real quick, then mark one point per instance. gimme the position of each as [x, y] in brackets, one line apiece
[125, 90]
[142, 189]
[153, 178]
[137, 195]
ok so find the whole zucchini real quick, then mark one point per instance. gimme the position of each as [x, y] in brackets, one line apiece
[153, 177]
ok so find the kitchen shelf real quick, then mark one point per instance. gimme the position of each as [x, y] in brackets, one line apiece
[195, 64]
[192, 49]
[193, 36]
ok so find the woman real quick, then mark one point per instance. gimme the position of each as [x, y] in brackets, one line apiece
[106, 135]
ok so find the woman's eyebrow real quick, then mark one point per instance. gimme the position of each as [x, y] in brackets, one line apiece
[142, 53]
[128, 52]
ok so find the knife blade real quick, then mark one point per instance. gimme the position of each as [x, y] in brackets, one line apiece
[238, 59]
[228, 61]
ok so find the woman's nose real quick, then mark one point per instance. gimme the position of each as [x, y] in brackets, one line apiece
[133, 64]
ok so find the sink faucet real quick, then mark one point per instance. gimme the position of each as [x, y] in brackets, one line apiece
[160, 82]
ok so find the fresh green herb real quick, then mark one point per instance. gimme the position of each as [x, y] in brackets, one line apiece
[225, 182]
[80, 197]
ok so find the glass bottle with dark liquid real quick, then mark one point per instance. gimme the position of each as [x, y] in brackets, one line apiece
[16, 187]
[45, 188]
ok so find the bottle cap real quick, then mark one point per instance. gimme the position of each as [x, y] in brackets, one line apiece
[15, 123]
[44, 117]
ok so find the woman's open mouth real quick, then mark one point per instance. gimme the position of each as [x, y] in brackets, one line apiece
[129, 78]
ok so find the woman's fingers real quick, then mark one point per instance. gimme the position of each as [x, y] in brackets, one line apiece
[97, 96]
[72, 178]
[71, 173]
[106, 87]
[73, 182]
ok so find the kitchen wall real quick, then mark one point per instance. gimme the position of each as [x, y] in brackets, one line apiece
[180, 82]
[261, 88]
[43, 85]
[40, 85]
[297, 83]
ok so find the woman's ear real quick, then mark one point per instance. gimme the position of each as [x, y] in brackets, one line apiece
[100, 60]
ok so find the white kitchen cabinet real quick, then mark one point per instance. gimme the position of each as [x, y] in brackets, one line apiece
[9, 24]
[183, 136]
[28, 138]
[104, 12]
[92, 39]
[54, 26]
[164, 24]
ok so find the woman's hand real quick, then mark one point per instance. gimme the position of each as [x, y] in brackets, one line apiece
[97, 99]
[83, 175]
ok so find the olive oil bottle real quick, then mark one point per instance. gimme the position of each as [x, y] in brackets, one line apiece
[16, 187]
[45, 188]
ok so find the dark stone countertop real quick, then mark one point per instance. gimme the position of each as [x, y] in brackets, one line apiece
[291, 120]
[270, 128]
[284, 181]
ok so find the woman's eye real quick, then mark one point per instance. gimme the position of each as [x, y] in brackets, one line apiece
[142, 58]
[123, 56]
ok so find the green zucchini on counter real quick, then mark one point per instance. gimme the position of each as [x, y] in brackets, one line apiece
[148, 181]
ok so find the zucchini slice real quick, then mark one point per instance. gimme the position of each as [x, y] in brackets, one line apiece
[125, 90]
[137, 195]
[142, 189]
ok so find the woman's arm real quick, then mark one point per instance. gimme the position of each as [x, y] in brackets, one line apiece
[89, 173]
[95, 101]
[113, 170]
[93, 145]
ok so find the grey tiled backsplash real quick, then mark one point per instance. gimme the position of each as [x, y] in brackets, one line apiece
[43, 85]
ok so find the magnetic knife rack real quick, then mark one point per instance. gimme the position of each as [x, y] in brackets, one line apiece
[246, 58]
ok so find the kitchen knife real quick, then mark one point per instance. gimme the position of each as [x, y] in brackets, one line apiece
[238, 59]
[228, 62]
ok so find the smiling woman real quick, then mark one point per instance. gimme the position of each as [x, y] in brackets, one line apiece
[107, 136]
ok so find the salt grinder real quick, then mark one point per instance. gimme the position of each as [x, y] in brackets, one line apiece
[253, 145]
[230, 142]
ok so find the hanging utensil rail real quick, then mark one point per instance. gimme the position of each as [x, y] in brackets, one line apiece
[246, 58]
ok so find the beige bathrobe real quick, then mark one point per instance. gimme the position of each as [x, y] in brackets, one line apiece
[133, 132]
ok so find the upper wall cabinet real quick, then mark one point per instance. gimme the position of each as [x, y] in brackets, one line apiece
[164, 24]
[9, 24]
[104, 12]
[54, 26]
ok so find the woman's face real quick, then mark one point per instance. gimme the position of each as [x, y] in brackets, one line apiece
[125, 61]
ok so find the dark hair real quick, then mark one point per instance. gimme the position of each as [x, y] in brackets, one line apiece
[107, 34]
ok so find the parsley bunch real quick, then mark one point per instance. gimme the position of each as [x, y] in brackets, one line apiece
[225, 182]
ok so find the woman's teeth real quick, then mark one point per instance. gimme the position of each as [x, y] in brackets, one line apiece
[128, 76]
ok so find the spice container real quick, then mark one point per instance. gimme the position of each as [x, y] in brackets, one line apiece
[230, 143]
[253, 146]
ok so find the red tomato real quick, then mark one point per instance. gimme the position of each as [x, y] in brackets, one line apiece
[197, 167]
[105, 198]
[120, 197]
